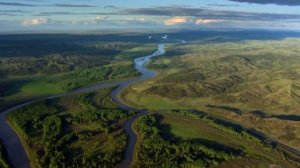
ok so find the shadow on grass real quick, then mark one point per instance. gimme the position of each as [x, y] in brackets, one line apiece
[165, 132]
[228, 108]
[288, 117]
[9, 88]
[262, 114]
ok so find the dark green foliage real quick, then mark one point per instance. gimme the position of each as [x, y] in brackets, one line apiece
[39, 117]
[62, 138]
[223, 125]
[51, 130]
[105, 118]
[157, 151]
[103, 114]
[31, 117]
[123, 72]
[232, 128]
[93, 75]
[81, 78]
[92, 113]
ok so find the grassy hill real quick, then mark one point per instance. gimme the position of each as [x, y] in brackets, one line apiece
[231, 79]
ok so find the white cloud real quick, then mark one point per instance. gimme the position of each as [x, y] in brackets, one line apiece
[135, 19]
[35, 21]
[176, 20]
[207, 21]
[98, 19]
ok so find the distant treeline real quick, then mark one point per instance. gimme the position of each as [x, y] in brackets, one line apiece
[93, 75]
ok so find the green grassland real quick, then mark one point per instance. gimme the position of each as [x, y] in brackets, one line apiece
[27, 77]
[17, 90]
[179, 139]
[83, 130]
[259, 79]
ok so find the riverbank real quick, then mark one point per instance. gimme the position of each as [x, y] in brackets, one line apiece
[13, 143]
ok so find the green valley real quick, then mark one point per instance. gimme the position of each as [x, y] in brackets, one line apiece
[252, 82]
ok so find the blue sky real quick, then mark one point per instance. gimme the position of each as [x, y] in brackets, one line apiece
[82, 15]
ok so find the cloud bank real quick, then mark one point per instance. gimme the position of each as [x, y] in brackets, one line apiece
[73, 6]
[53, 5]
[208, 14]
[277, 2]
[15, 4]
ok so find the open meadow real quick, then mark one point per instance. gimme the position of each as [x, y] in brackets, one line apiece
[183, 139]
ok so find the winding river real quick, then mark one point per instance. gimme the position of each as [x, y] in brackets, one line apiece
[14, 146]
[146, 74]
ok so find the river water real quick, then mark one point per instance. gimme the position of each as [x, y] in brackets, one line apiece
[146, 74]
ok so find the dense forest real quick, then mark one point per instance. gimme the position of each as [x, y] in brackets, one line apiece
[84, 130]
[93, 75]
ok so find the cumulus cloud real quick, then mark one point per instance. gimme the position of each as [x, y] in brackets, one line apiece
[99, 19]
[176, 20]
[207, 21]
[35, 21]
